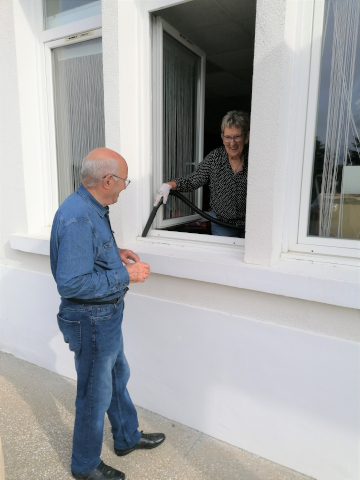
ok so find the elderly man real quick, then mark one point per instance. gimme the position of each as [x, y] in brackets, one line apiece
[92, 281]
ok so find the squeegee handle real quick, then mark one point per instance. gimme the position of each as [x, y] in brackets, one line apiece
[187, 202]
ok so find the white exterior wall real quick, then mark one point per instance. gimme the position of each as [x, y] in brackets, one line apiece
[277, 375]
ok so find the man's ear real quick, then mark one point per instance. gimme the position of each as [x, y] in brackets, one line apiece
[106, 182]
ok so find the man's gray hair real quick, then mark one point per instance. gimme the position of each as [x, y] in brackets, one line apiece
[93, 170]
[236, 118]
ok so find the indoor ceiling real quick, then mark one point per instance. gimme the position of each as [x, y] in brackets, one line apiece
[225, 30]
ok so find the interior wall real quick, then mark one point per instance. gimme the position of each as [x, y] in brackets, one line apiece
[225, 31]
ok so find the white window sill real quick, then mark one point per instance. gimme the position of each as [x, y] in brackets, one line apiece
[309, 278]
[31, 242]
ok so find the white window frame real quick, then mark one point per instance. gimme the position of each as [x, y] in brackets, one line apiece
[159, 27]
[49, 39]
[305, 98]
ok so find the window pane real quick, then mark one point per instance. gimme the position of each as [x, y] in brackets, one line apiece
[181, 70]
[59, 12]
[79, 109]
[335, 195]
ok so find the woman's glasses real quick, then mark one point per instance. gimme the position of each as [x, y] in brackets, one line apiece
[236, 138]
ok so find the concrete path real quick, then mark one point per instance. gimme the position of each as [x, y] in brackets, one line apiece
[36, 420]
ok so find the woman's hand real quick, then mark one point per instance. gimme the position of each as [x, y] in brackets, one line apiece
[163, 193]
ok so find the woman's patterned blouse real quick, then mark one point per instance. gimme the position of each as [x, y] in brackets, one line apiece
[227, 189]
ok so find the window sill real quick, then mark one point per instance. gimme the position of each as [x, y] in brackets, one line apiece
[307, 278]
[31, 242]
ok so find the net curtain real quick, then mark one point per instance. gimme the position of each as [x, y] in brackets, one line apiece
[180, 78]
[79, 112]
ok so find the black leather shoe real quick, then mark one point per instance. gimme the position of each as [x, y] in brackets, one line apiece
[102, 472]
[147, 441]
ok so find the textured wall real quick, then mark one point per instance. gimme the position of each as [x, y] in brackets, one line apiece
[263, 155]
[309, 316]
[14, 132]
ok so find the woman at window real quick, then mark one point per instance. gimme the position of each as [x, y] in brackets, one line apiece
[225, 171]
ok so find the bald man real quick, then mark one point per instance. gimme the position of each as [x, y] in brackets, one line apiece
[92, 277]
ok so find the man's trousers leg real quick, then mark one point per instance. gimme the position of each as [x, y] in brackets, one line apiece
[94, 334]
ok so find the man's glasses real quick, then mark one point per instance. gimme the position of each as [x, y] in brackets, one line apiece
[236, 138]
[126, 180]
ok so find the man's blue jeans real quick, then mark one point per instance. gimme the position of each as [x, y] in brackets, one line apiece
[94, 335]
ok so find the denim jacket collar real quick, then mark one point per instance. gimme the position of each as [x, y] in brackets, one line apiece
[86, 195]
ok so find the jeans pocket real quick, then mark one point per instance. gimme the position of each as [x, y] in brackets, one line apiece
[71, 331]
[104, 312]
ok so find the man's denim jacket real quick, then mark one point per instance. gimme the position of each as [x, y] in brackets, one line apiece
[85, 261]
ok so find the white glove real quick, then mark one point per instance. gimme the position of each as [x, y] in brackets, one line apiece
[162, 193]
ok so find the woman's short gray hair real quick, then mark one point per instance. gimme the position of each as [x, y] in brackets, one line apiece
[92, 171]
[236, 118]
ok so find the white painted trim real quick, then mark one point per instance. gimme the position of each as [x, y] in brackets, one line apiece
[61, 42]
[90, 23]
[321, 281]
[53, 192]
[183, 237]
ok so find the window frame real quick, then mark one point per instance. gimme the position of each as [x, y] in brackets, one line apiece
[305, 98]
[159, 26]
[51, 39]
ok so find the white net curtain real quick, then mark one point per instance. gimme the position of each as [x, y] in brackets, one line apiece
[79, 109]
[181, 70]
[335, 203]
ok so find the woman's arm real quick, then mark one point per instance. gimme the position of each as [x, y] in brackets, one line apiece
[196, 179]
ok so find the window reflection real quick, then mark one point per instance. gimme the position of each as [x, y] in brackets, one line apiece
[335, 194]
[60, 12]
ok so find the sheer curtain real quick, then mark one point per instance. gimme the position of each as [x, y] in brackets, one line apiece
[181, 70]
[79, 109]
[336, 200]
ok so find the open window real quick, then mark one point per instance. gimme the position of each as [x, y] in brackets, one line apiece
[179, 66]
[202, 54]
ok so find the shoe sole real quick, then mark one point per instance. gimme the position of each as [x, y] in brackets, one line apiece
[136, 448]
[74, 475]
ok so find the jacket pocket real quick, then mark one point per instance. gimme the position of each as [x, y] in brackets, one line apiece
[72, 333]
[111, 250]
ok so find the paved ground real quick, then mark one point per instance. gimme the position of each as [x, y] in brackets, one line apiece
[36, 419]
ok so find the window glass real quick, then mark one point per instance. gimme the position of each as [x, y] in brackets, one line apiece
[181, 72]
[79, 109]
[335, 194]
[60, 12]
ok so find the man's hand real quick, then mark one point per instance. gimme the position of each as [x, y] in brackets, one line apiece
[138, 272]
[127, 255]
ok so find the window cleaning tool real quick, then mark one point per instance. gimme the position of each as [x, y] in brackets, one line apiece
[187, 202]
